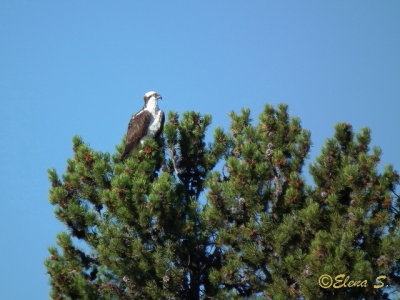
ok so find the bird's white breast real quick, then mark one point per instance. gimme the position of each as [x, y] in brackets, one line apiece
[154, 124]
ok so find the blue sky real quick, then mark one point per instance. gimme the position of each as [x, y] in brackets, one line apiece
[82, 67]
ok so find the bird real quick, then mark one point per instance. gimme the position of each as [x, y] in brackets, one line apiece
[145, 124]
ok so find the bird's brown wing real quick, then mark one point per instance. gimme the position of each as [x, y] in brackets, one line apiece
[137, 129]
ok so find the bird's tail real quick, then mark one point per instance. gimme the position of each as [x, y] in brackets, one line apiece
[124, 155]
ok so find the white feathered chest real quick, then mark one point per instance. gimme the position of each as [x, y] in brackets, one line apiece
[155, 121]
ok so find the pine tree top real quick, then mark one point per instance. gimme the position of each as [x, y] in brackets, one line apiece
[231, 219]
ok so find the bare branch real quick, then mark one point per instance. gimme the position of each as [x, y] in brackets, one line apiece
[173, 159]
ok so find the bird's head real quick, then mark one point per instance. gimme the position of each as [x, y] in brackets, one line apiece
[151, 96]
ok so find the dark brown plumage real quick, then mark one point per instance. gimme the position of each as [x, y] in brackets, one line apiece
[137, 129]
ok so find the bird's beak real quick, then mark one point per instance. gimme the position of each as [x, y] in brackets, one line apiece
[159, 97]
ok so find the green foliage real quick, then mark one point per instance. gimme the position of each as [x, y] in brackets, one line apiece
[170, 222]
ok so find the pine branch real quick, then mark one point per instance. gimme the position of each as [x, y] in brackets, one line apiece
[173, 159]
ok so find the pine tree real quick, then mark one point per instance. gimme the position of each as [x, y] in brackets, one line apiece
[231, 219]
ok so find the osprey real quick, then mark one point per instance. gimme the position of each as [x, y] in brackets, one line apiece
[145, 124]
